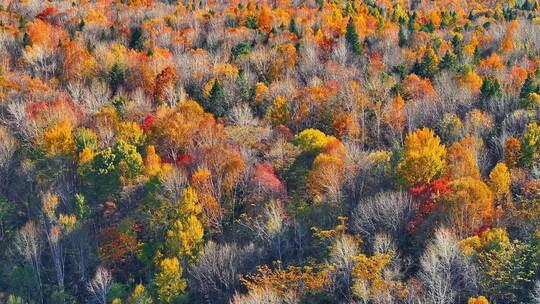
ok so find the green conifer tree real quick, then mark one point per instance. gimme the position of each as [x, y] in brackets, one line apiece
[116, 77]
[216, 103]
[428, 65]
[137, 39]
[490, 88]
[403, 36]
[352, 39]
[448, 62]
[26, 41]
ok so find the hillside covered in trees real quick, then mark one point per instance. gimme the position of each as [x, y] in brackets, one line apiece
[270, 152]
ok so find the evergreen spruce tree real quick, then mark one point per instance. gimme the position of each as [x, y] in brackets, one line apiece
[116, 77]
[216, 102]
[82, 24]
[428, 65]
[22, 22]
[490, 88]
[292, 26]
[528, 5]
[26, 41]
[458, 47]
[412, 22]
[352, 39]
[403, 37]
[320, 4]
[137, 39]
[448, 62]
[430, 27]
[476, 55]
[529, 86]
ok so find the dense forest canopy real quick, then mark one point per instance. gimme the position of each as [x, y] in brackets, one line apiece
[270, 152]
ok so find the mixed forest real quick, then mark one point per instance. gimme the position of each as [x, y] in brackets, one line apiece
[270, 152]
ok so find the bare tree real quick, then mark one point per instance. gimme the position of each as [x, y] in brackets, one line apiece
[43, 62]
[340, 52]
[309, 65]
[446, 275]
[174, 181]
[516, 122]
[260, 61]
[100, 285]
[264, 296]
[387, 212]
[55, 246]
[450, 93]
[341, 253]
[19, 121]
[241, 115]
[8, 146]
[54, 234]
[217, 271]
[81, 251]
[28, 244]
[270, 227]
[536, 293]
[76, 91]
[97, 96]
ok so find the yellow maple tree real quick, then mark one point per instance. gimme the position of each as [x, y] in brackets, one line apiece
[423, 157]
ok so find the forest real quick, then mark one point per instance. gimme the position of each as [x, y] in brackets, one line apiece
[270, 152]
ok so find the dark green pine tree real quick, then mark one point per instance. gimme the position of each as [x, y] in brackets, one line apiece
[116, 77]
[412, 22]
[490, 88]
[26, 41]
[529, 86]
[476, 55]
[320, 5]
[428, 65]
[403, 36]
[292, 26]
[216, 102]
[137, 39]
[448, 62]
[457, 42]
[22, 22]
[352, 39]
[458, 46]
[82, 24]
[430, 27]
[529, 5]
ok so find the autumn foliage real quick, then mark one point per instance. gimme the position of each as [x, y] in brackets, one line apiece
[269, 151]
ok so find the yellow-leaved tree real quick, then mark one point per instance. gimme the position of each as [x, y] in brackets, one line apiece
[169, 282]
[461, 160]
[470, 205]
[423, 157]
[478, 300]
[58, 140]
[278, 113]
[369, 281]
[152, 162]
[499, 182]
[325, 177]
[312, 140]
[186, 234]
[131, 133]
